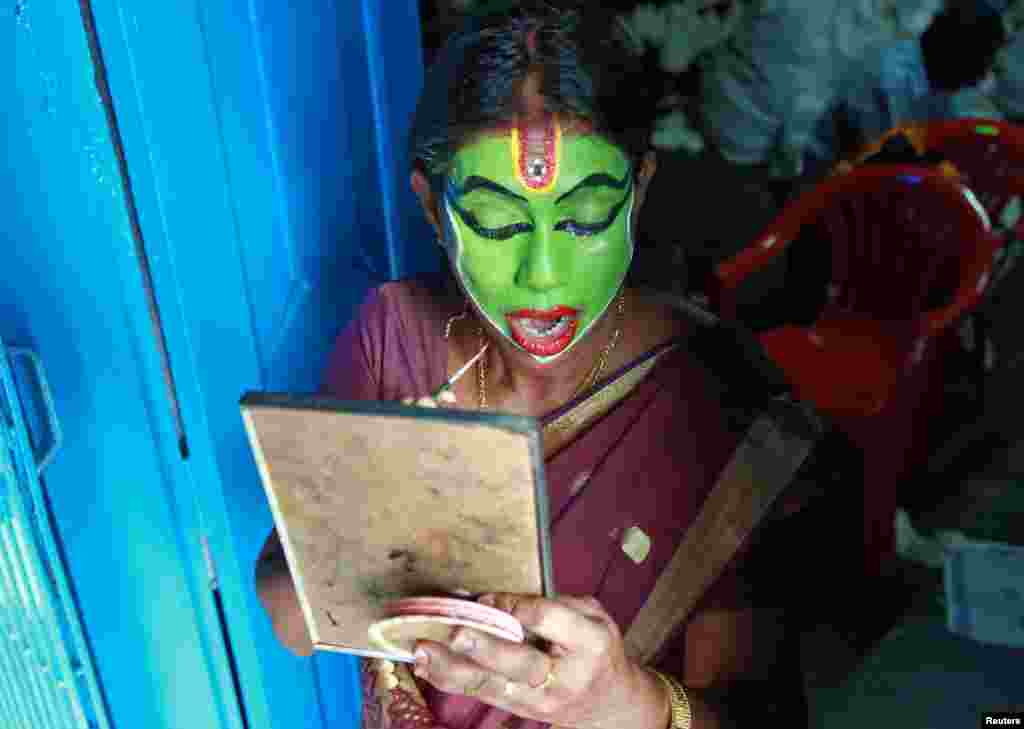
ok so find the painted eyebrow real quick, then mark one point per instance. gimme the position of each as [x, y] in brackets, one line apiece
[473, 182]
[598, 179]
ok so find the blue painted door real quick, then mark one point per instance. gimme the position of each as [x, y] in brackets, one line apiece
[47, 676]
[198, 197]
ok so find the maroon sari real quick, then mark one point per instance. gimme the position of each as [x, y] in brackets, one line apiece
[649, 462]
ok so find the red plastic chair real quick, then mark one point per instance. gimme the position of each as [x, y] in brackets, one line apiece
[988, 153]
[902, 239]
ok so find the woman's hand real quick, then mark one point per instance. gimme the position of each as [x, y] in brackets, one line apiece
[590, 681]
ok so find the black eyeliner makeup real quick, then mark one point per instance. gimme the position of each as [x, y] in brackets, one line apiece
[569, 226]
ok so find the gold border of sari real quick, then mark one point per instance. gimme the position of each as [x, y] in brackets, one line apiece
[560, 431]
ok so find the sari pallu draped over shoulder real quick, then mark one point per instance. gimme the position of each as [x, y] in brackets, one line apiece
[654, 442]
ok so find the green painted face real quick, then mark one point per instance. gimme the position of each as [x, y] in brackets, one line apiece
[538, 232]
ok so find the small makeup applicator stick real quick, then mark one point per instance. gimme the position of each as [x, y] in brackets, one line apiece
[447, 386]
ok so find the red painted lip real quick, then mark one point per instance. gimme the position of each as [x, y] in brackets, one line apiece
[547, 314]
[543, 346]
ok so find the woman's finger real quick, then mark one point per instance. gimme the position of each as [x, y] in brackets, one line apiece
[587, 605]
[518, 662]
[456, 674]
[576, 631]
[584, 603]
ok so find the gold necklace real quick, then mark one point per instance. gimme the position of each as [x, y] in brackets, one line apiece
[588, 381]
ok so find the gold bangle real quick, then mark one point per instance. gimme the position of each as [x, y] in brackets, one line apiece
[681, 715]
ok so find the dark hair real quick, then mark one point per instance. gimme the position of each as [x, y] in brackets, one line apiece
[584, 61]
[960, 47]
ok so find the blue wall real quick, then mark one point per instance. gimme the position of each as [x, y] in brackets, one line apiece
[263, 190]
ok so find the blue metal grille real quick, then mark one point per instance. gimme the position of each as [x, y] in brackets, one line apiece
[47, 678]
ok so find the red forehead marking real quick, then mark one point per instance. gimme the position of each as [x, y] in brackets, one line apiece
[537, 151]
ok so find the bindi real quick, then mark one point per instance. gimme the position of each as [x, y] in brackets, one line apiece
[535, 146]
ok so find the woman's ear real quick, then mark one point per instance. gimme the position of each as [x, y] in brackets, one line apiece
[421, 186]
[648, 167]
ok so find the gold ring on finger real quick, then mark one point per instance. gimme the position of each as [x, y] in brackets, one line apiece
[548, 680]
[474, 690]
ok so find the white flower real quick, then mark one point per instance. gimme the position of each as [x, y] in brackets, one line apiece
[690, 32]
[913, 18]
[679, 30]
[647, 24]
[1014, 16]
[673, 131]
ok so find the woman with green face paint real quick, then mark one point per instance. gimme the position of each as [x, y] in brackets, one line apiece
[531, 163]
[542, 257]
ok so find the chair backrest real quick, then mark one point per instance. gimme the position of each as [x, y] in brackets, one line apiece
[988, 152]
[905, 241]
[897, 246]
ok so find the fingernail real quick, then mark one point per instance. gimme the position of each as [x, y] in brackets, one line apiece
[447, 397]
[422, 659]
